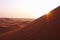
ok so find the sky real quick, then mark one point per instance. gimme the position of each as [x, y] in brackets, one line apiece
[26, 8]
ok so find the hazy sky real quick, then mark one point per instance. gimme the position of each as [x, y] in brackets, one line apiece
[26, 8]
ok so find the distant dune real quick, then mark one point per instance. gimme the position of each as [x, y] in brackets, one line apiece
[7, 24]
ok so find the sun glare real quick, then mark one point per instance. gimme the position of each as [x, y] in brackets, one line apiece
[37, 8]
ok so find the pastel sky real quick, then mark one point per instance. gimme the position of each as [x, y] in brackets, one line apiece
[26, 8]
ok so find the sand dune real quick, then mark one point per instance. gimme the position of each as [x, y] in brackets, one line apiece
[10, 24]
[46, 27]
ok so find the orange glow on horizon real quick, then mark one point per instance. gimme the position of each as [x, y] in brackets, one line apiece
[26, 8]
